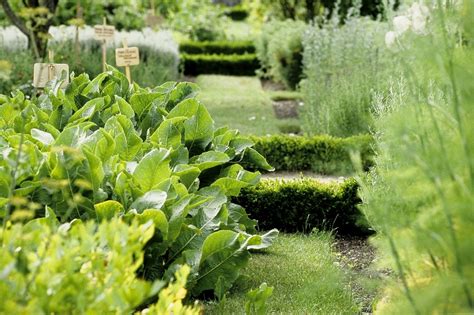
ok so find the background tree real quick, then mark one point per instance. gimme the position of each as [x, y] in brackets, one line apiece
[33, 18]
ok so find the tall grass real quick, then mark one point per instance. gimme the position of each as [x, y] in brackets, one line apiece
[343, 65]
[420, 197]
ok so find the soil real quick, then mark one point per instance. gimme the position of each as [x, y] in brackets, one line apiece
[356, 256]
[269, 85]
[188, 78]
[285, 109]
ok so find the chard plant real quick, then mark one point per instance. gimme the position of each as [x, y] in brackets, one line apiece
[102, 149]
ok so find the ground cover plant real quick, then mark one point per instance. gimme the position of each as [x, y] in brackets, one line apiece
[102, 149]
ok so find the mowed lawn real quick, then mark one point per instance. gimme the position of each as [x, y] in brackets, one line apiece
[305, 276]
[239, 103]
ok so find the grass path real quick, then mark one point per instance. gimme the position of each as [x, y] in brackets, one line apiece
[238, 102]
[305, 274]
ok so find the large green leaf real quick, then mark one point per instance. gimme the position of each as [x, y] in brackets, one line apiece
[254, 158]
[209, 159]
[169, 133]
[154, 199]
[224, 253]
[153, 169]
[127, 141]
[108, 209]
[199, 127]
[182, 91]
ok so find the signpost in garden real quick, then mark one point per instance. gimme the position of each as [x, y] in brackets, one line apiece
[45, 72]
[104, 33]
[126, 57]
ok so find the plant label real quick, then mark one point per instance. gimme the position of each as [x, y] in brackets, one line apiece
[153, 20]
[45, 72]
[127, 56]
[104, 32]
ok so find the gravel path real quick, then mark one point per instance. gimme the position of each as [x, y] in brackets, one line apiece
[296, 175]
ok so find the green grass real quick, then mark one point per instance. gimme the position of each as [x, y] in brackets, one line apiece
[239, 30]
[305, 276]
[240, 103]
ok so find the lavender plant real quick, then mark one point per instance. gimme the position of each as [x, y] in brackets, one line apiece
[343, 66]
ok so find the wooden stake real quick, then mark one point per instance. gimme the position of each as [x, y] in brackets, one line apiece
[127, 68]
[51, 64]
[152, 5]
[79, 16]
[104, 50]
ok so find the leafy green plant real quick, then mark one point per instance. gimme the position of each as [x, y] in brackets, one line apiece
[81, 267]
[257, 299]
[102, 148]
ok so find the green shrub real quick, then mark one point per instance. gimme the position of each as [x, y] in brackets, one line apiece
[303, 204]
[103, 148]
[344, 68]
[81, 267]
[244, 65]
[217, 47]
[237, 13]
[200, 20]
[280, 51]
[321, 154]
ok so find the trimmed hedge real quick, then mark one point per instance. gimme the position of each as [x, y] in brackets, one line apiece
[244, 65]
[237, 13]
[303, 204]
[321, 154]
[217, 47]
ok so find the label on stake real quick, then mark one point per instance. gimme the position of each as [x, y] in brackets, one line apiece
[45, 72]
[125, 57]
[104, 32]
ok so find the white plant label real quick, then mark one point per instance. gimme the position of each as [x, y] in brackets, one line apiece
[125, 57]
[45, 72]
[104, 32]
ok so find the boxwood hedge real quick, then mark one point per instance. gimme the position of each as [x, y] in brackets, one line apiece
[217, 47]
[245, 64]
[303, 204]
[322, 154]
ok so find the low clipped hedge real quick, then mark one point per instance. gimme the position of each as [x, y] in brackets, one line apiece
[300, 205]
[237, 13]
[245, 64]
[321, 154]
[217, 47]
